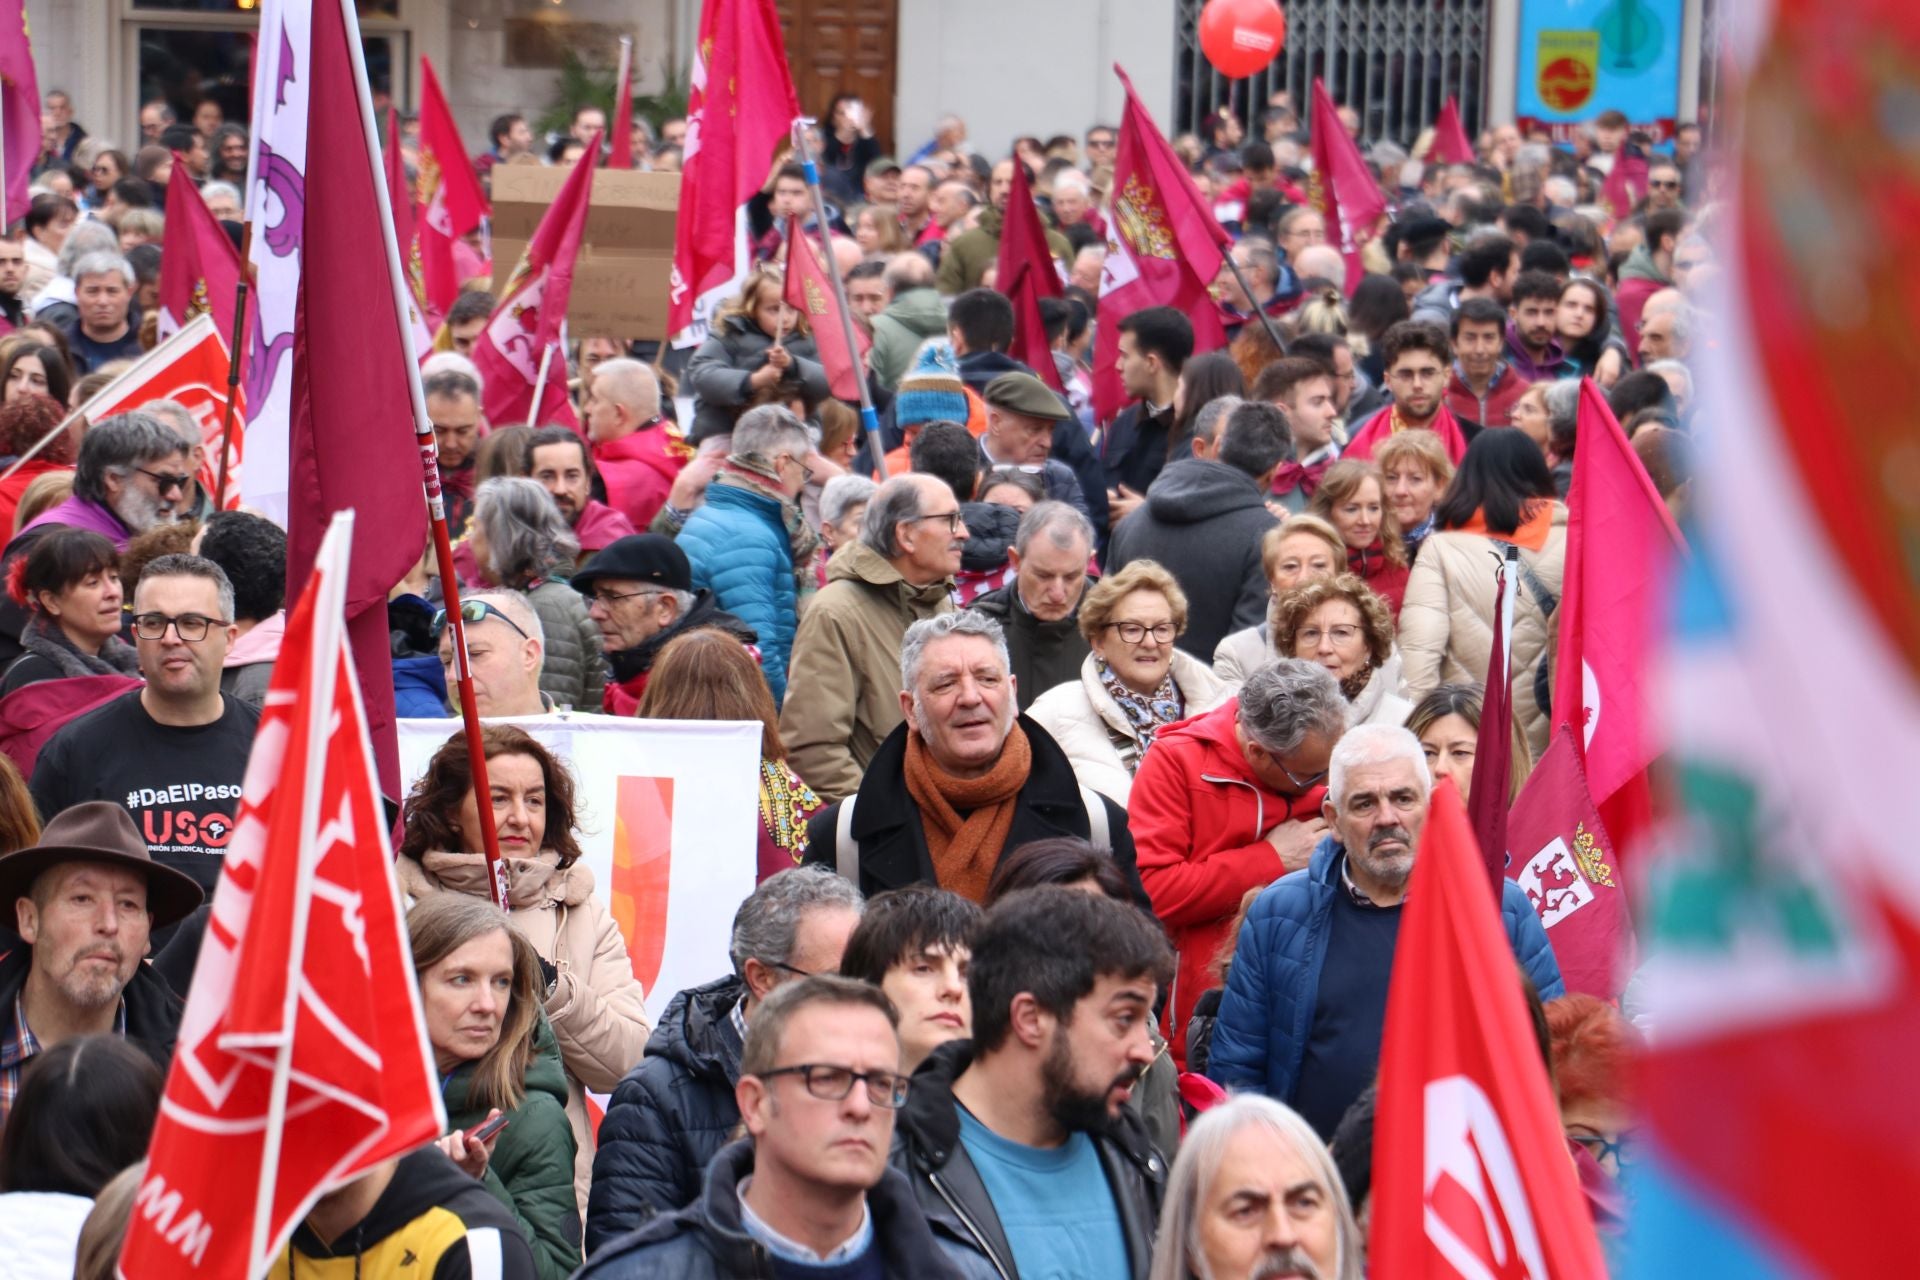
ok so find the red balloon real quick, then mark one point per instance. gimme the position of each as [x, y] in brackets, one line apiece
[1241, 36]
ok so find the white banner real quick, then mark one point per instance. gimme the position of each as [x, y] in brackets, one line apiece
[668, 814]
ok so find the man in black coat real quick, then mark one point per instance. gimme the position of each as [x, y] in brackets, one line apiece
[676, 1110]
[1039, 611]
[85, 901]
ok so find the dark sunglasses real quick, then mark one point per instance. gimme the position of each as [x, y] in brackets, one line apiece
[475, 611]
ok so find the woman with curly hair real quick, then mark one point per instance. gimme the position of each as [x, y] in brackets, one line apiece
[1352, 497]
[69, 583]
[1340, 624]
[24, 419]
[596, 1006]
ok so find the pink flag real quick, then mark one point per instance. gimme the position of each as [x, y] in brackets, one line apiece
[1450, 142]
[1025, 273]
[741, 107]
[810, 292]
[530, 321]
[447, 193]
[302, 1060]
[620, 153]
[1163, 248]
[19, 109]
[1343, 188]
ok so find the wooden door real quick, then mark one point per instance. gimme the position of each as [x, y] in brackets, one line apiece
[844, 46]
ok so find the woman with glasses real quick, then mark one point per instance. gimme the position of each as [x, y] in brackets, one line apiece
[1346, 628]
[520, 540]
[1133, 684]
[69, 583]
[480, 987]
[1593, 1048]
[108, 167]
[589, 994]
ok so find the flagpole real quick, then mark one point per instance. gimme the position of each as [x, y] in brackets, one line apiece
[329, 618]
[539, 386]
[1259, 308]
[233, 368]
[429, 474]
[869, 421]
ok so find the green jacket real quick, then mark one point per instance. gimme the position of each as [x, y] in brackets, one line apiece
[909, 320]
[967, 256]
[531, 1168]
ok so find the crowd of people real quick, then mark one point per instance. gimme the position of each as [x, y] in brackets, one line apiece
[1095, 754]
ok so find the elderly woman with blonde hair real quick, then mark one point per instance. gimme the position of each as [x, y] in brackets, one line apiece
[1340, 624]
[1133, 684]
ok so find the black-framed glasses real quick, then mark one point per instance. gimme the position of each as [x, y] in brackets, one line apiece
[193, 627]
[784, 967]
[951, 517]
[1620, 1149]
[1135, 632]
[832, 1084]
[167, 480]
[476, 611]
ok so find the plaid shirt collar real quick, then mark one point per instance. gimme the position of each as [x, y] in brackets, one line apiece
[20, 1043]
[739, 1016]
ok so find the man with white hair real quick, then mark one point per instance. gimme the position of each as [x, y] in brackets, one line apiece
[638, 452]
[505, 648]
[102, 332]
[1676, 374]
[1306, 998]
[222, 200]
[1254, 1194]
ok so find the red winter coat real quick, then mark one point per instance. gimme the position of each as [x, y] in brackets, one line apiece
[640, 470]
[1199, 816]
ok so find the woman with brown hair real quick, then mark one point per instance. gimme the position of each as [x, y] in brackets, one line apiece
[24, 419]
[480, 985]
[596, 1006]
[1344, 627]
[1353, 498]
[707, 674]
[69, 584]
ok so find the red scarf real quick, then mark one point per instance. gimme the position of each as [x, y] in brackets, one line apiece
[1388, 422]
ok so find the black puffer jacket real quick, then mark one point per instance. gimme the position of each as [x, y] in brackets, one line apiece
[927, 1148]
[153, 1010]
[669, 1116]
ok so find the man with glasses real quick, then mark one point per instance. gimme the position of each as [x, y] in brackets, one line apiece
[820, 1084]
[843, 678]
[1418, 359]
[505, 650]
[640, 594]
[1230, 801]
[1103, 143]
[1306, 997]
[678, 1108]
[173, 752]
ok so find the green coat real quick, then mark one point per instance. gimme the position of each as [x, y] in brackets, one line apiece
[531, 1168]
[968, 255]
[909, 320]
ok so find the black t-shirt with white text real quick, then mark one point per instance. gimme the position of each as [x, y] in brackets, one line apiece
[180, 783]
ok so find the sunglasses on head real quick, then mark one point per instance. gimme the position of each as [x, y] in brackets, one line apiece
[475, 611]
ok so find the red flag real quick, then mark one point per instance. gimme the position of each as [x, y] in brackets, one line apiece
[1163, 248]
[1626, 181]
[1560, 854]
[19, 109]
[1621, 551]
[447, 193]
[1450, 142]
[1493, 754]
[302, 1059]
[810, 292]
[1343, 188]
[190, 367]
[356, 383]
[620, 155]
[741, 107]
[1470, 1168]
[532, 316]
[1024, 273]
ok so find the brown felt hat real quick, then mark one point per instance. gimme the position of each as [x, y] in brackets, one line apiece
[99, 831]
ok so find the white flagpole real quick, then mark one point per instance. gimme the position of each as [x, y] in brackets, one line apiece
[1509, 587]
[329, 618]
[539, 386]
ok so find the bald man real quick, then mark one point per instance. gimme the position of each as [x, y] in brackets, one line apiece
[637, 451]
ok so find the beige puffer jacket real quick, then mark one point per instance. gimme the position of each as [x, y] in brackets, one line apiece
[1446, 623]
[597, 1009]
[1091, 728]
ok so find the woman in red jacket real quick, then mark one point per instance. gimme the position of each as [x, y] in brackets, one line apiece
[1353, 498]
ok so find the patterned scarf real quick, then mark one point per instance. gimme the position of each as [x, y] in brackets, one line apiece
[966, 820]
[1146, 714]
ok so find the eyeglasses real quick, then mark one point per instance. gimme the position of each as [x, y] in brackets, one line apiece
[1341, 633]
[951, 517]
[607, 599]
[832, 1084]
[1621, 1149]
[167, 480]
[476, 611]
[1663, 184]
[806, 472]
[191, 626]
[1135, 632]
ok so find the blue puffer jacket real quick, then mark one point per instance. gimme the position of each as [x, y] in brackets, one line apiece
[739, 549]
[1265, 1015]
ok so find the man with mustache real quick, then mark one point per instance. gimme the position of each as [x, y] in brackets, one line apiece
[1306, 998]
[1019, 1143]
[86, 900]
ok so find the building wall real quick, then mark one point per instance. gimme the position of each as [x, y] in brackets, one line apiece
[1010, 67]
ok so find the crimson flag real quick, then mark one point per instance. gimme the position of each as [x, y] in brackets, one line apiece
[1561, 856]
[1450, 142]
[620, 153]
[1493, 754]
[1470, 1168]
[302, 1060]
[1622, 548]
[741, 107]
[200, 274]
[448, 196]
[1164, 249]
[19, 110]
[1626, 181]
[356, 381]
[531, 319]
[1343, 188]
[1024, 273]
[189, 367]
[809, 291]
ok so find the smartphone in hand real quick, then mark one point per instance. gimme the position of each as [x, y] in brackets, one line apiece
[484, 1131]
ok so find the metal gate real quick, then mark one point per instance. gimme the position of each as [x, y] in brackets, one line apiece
[1395, 61]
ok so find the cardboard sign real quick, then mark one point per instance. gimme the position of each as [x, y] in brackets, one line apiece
[620, 283]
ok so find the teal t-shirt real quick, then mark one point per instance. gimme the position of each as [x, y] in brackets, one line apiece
[1054, 1205]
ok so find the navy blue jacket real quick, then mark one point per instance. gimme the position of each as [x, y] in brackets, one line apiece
[738, 546]
[1266, 1014]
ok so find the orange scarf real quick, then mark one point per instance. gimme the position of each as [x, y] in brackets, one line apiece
[967, 819]
[1536, 522]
